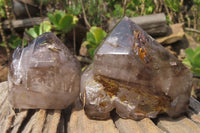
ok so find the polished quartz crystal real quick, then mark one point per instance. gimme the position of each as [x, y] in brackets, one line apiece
[135, 75]
[43, 75]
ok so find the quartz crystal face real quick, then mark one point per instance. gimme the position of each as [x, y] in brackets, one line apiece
[43, 75]
[135, 75]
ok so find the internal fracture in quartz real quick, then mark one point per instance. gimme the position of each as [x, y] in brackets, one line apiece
[43, 75]
[135, 75]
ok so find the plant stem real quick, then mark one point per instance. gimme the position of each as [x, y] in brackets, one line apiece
[4, 39]
[156, 3]
[160, 5]
[142, 6]
[188, 20]
[180, 16]
[192, 30]
[167, 10]
[29, 15]
[124, 8]
[195, 15]
[41, 4]
[84, 15]
[8, 14]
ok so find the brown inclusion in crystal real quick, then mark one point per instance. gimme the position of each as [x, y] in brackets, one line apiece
[135, 75]
[148, 104]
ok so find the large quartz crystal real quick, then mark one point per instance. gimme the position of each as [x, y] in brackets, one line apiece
[135, 75]
[43, 75]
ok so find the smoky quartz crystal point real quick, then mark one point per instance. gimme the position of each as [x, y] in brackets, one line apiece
[43, 75]
[135, 75]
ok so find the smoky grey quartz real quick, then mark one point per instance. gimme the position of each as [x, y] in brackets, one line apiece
[135, 75]
[43, 75]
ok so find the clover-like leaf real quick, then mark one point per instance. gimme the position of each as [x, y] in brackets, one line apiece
[94, 38]
[62, 21]
[33, 32]
[45, 26]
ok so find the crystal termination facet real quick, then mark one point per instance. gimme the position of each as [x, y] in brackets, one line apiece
[135, 75]
[43, 75]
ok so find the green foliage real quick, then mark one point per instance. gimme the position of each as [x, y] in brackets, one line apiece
[173, 4]
[2, 11]
[133, 8]
[197, 2]
[168, 20]
[139, 7]
[99, 11]
[94, 38]
[193, 60]
[118, 11]
[34, 32]
[82, 69]
[14, 41]
[2, 7]
[95, 11]
[62, 22]
[74, 9]
[111, 3]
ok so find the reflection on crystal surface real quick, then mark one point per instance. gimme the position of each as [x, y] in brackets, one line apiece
[43, 75]
[136, 76]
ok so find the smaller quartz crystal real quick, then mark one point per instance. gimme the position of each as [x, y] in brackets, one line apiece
[135, 75]
[43, 75]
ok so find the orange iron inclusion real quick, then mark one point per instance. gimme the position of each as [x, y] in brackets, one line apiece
[139, 46]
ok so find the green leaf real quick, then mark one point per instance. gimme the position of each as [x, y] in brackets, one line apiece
[45, 26]
[173, 4]
[32, 32]
[2, 44]
[91, 38]
[91, 51]
[75, 10]
[62, 21]
[51, 18]
[197, 49]
[196, 71]
[94, 38]
[2, 13]
[37, 30]
[193, 60]
[196, 58]
[99, 35]
[150, 9]
[118, 12]
[24, 42]
[61, 13]
[67, 22]
[55, 18]
[14, 41]
[187, 62]
[82, 69]
[190, 53]
[12, 38]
